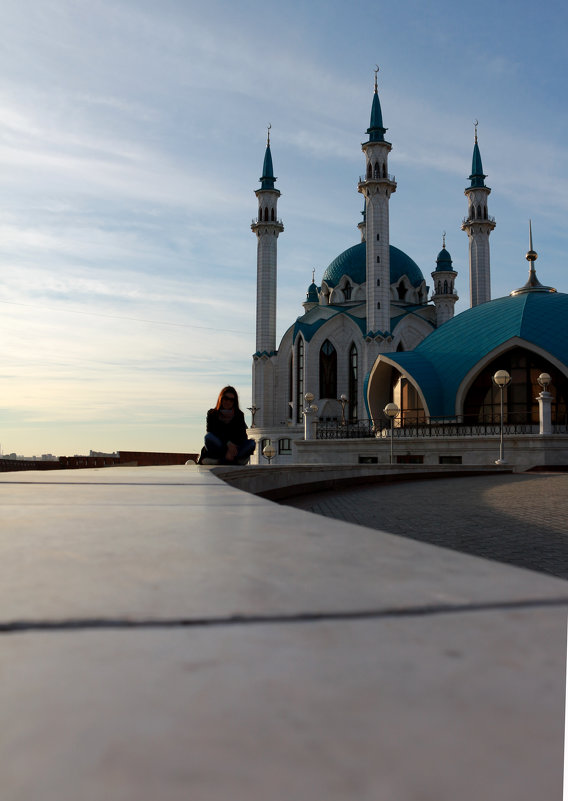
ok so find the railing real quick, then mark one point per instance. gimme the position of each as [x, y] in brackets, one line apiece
[467, 220]
[267, 222]
[426, 428]
[387, 177]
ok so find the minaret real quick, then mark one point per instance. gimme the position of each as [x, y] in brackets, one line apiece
[377, 186]
[444, 296]
[478, 225]
[267, 226]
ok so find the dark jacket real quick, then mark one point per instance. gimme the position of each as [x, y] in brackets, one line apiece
[235, 431]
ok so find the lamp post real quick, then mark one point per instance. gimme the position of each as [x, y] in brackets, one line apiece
[310, 410]
[253, 410]
[501, 379]
[391, 410]
[343, 402]
[545, 405]
[269, 452]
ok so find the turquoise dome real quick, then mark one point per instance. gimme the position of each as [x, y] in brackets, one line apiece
[352, 262]
[440, 362]
[444, 261]
[312, 294]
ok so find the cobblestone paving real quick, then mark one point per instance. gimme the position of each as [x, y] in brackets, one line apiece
[517, 519]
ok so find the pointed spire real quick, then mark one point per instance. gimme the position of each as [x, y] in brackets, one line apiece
[376, 130]
[477, 177]
[267, 178]
[533, 284]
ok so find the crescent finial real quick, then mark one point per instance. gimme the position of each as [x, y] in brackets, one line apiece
[476, 123]
[268, 135]
[376, 71]
[444, 239]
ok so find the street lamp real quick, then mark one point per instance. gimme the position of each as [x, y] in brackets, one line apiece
[269, 452]
[544, 379]
[391, 410]
[253, 410]
[501, 379]
[343, 402]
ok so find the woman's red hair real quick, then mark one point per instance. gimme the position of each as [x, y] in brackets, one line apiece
[225, 391]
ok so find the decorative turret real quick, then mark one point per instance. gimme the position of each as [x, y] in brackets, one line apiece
[377, 186]
[533, 284]
[267, 227]
[444, 296]
[478, 225]
[312, 295]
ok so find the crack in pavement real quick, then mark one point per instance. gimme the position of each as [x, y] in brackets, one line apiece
[24, 626]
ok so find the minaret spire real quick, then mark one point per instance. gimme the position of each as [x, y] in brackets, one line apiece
[377, 186]
[478, 225]
[533, 284]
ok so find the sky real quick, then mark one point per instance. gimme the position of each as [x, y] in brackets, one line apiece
[132, 136]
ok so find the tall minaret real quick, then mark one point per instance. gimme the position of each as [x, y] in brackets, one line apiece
[478, 225]
[267, 226]
[377, 186]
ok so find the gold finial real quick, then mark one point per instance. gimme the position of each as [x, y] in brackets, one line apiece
[376, 71]
[444, 239]
[268, 135]
[532, 255]
[476, 123]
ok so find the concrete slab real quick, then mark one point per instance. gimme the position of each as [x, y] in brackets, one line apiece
[431, 709]
[165, 635]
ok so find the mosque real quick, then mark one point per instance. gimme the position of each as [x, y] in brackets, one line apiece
[373, 334]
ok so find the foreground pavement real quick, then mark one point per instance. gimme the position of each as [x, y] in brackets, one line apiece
[164, 635]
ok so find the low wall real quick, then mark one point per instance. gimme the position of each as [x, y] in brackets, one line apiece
[276, 482]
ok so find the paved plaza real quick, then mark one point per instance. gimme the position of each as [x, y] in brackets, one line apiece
[518, 519]
[164, 635]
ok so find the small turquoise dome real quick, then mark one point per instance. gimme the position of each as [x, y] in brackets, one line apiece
[352, 262]
[444, 261]
[312, 294]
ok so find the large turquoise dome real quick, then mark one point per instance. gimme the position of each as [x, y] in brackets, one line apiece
[352, 262]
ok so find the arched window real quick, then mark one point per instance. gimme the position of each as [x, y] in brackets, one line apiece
[439, 287]
[290, 414]
[401, 291]
[272, 214]
[299, 379]
[479, 212]
[347, 291]
[445, 287]
[369, 170]
[353, 392]
[485, 212]
[378, 259]
[384, 170]
[328, 371]
[377, 170]
[378, 237]
[483, 403]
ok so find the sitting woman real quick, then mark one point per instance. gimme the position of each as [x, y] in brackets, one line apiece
[226, 439]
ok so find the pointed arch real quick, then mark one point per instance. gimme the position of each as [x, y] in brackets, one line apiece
[377, 171]
[384, 170]
[369, 170]
[353, 383]
[272, 215]
[299, 378]
[328, 370]
[266, 214]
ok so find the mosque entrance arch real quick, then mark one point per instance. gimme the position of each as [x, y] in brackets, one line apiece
[482, 400]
